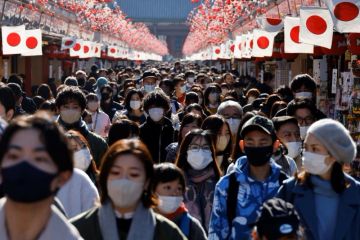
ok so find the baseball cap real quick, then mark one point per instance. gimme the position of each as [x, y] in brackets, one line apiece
[258, 123]
[149, 73]
[277, 219]
[101, 81]
[279, 121]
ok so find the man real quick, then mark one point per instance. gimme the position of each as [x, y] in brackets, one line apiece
[180, 89]
[27, 103]
[71, 103]
[149, 79]
[18, 99]
[268, 83]
[81, 78]
[255, 179]
[7, 103]
[232, 112]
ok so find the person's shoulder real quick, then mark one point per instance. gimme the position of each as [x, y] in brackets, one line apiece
[85, 217]
[167, 227]
[95, 137]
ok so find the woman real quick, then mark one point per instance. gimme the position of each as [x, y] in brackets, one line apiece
[126, 200]
[221, 135]
[35, 163]
[123, 129]
[168, 183]
[212, 98]
[189, 122]
[197, 159]
[100, 121]
[83, 159]
[326, 198]
[133, 106]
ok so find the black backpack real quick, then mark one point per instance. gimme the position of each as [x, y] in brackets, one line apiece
[233, 191]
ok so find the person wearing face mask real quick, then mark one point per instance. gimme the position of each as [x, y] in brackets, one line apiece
[100, 82]
[157, 132]
[83, 180]
[168, 183]
[212, 98]
[107, 104]
[190, 98]
[190, 78]
[180, 89]
[100, 121]
[221, 135]
[255, 178]
[149, 79]
[251, 95]
[189, 122]
[325, 197]
[288, 133]
[133, 108]
[71, 103]
[305, 113]
[232, 112]
[126, 199]
[35, 163]
[197, 158]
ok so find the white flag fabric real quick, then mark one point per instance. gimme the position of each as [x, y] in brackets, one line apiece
[270, 24]
[96, 50]
[85, 51]
[75, 51]
[316, 26]
[237, 47]
[263, 43]
[13, 39]
[248, 46]
[112, 51]
[67, 42]
[291, 37]
[345, 14]
[33, 43]
[216, 52]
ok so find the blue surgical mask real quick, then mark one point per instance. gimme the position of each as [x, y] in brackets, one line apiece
[149, 88]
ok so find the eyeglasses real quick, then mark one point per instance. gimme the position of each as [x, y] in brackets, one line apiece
[307, 120]
[197, 148]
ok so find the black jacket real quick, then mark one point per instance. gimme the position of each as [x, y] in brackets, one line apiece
[157, 136]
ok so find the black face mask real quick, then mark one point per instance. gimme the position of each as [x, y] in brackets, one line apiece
[258, 156]
[105, 96]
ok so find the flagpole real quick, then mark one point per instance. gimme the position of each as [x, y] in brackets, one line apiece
[278, 10]
[288, 3]
[296, 11]
[2, 12]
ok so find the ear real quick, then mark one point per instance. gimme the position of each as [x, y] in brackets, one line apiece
[241, 145]
[60, 180]
[9, 115]
[276, 145]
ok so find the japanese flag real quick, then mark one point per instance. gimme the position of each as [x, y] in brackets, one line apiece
[263, 43]
[13, 39]
[75, 51]
[345, 15]
[316, 26]
[33, 43]
[67, 42]
[237, 47]
[96, 50]
[112, 51]
[291, 37]
[270, 24]
[248, 46]
[85, 51]
[216, 52]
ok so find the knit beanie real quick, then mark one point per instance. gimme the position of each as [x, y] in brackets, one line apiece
[336, 139]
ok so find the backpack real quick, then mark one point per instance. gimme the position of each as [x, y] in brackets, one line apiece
[233, 191]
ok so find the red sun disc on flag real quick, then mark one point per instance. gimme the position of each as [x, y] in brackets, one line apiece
[251, 43]
[96, 49]
[294, 34]
[273, 21]
[31, 42]
[86, 49]
[232, 48]
[77, 47]
[263, 42]
[13, 39]
[68, 42]
[217, 51]
[239, 46]
[112, 50]
[346, 11]
[316, 25]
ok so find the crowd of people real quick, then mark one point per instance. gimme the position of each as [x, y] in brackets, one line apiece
[181, 151]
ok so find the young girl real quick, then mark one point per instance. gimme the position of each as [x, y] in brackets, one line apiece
[168, 183]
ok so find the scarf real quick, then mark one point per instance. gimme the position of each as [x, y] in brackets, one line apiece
[198, 176]
[142, 225]
[177, 213]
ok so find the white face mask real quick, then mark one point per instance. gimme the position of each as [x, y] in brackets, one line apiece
[303, 131]
[234, 124]
[169, 204]
[156, 114]
[213, 97]
[70, 116]
[294, 149]
[183, 89]
[199, 160]
[222, 142]
[315, 163]
[149, 88]
[135, 105]
[251, 100]
[190, 80]
[82, 159]
[93, 106]
[124, 193]
[303, 95]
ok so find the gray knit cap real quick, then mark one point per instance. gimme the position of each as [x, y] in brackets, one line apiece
[336, 138]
